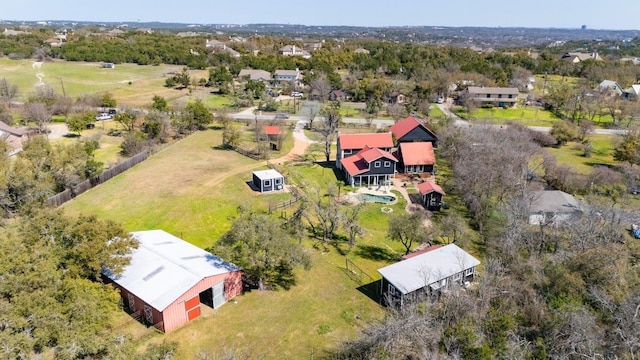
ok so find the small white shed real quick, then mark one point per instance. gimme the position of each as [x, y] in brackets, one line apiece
[268, 180]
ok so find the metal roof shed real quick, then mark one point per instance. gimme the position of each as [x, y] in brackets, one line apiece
[168, 278]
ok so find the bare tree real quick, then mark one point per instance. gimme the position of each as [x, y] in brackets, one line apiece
[310, 109]
[329, 127]
[320, 87]
[8, 91]
[38, 113]
[396, 111]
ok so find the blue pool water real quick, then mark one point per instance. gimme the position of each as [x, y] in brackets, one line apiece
[384, 199]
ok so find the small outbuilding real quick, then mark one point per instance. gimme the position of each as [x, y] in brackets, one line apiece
[421, 275]
[431, 195]
[268, 180]
[168, 279]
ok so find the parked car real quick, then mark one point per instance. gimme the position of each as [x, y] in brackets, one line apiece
[440, 100]
[281, 115]
[296, 94]
[634, 189]
[104, 116]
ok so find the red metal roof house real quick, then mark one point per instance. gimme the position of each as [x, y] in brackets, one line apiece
[370, 166]
[168, 279]
[413, 130]
[415, 157]
[351, 144]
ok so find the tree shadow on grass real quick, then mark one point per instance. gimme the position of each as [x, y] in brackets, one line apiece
[376, 253]
[71, 135]
[339, 174]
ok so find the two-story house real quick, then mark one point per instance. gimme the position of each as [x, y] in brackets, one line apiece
[287, 76]
[369, 167]
[497, 96]
[351, 144]
[292, 50]
[255, 75]
[415, 144]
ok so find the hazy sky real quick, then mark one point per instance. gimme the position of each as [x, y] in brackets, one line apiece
[619, 14]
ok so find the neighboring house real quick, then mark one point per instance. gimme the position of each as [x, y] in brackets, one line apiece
[292, 50]
[552, 207]
[9, 32]
[268, 180]
[415, 157]
[413, 130]
[361, 51]
[187, 34]
[610, 87]
[576, 57]
[312, 45]
[255, 75]
[395, 97]
[431, 195]
[14, 137]
[54, 42]
[219, 46]
[634, 60]
[351, 144]
[369, 167]
[287, 76]
[633, 91]
[339, 95]
[168, 279]
[497, 96]
[425, 274]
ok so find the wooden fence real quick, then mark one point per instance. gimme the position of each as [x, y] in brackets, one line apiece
[250, 154]
[79, 188]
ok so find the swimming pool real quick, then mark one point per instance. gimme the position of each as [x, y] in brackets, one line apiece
[384, 199]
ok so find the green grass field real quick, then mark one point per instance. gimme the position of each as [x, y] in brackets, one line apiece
[192, 190]
[602, 153]
[130, 84]
[524, 116]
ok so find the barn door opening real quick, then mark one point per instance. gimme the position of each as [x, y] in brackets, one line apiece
[206, 297]
[218, 295]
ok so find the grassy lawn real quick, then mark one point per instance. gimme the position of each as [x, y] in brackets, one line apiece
[191, 190]
[602, 153]
[524, 116]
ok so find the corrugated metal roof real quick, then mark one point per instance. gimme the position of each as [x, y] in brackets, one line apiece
[164, 267]
[425, 269]
[428, 187]
[267, 174]
[360, 141]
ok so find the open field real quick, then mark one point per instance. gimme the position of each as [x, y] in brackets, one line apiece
[191, 190]
[602, 153]
[531, 116]
[130, 84]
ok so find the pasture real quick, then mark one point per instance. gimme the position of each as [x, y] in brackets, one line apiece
[130, 84]
[192, 189]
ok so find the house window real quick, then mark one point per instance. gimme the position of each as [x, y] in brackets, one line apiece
[391, 290]
[488, 96]
[376, 164]
[468, 271]
[499, 96]
[457, 277]
[387, 163]
[510, 96]
[277, 181]
[148, 314]
[347, 151]
[132, 302]
[267, 183]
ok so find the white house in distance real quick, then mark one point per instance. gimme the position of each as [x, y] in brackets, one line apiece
[268, 180]
[287, 76]
[292, 50]
[424, 272]
[168, 279]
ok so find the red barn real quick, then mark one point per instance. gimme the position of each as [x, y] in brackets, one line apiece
[168, 280]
